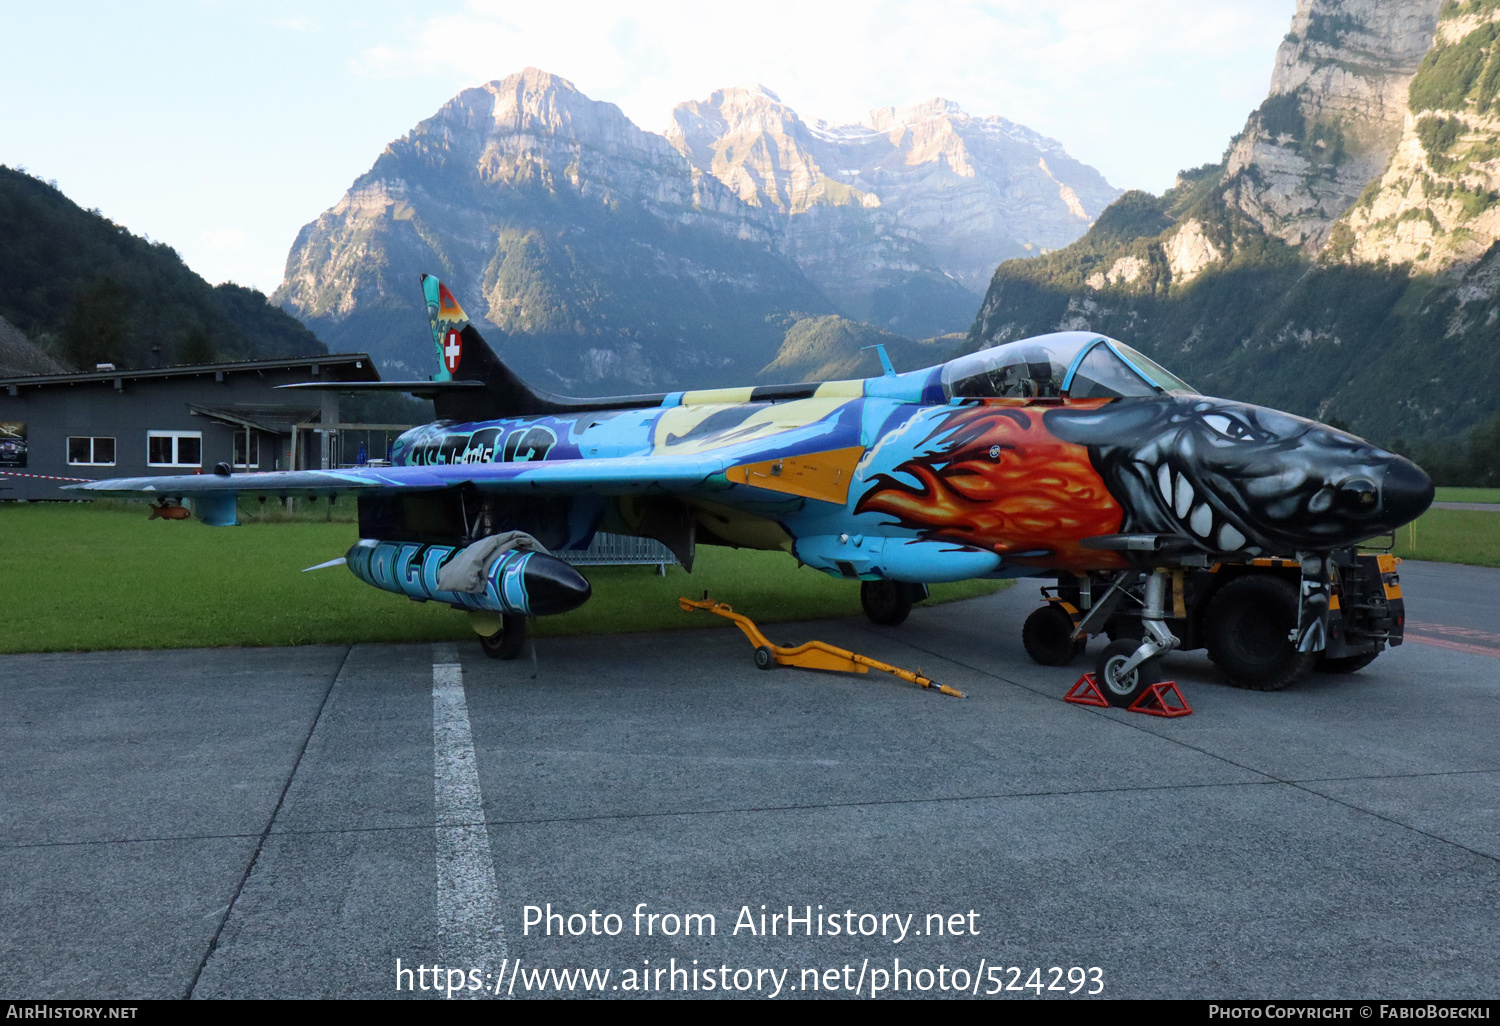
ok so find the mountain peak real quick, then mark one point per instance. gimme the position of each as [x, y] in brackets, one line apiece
[534, 79]
[885, 119]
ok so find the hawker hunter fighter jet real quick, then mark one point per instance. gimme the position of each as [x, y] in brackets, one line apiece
[1068, 455]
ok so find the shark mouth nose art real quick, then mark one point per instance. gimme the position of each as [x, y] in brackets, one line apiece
[1194, 512]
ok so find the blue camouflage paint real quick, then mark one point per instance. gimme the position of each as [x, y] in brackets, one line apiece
[411, 569]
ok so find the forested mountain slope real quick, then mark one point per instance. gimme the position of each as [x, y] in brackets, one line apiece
[86, 291]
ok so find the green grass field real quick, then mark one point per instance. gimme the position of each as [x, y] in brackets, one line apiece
[1468, 495]
[1452, 536]
[81, 577]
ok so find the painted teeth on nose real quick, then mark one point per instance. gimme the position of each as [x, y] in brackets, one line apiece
[1230, 540]
[1164, 482]
[1184, 496]
[1202, 520]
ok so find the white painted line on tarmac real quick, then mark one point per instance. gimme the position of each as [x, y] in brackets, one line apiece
[470, 934]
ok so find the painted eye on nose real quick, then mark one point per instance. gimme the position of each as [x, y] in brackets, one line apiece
[1231, 427]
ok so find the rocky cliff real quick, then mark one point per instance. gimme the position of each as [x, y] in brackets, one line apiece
[1336, 109]
[1434, 208]
[1291, 273]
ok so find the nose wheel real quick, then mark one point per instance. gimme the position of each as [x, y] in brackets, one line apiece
[1120, 686]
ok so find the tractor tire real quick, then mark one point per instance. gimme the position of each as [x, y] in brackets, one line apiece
[1048, 636]
[1117, 627]
[1248, 625]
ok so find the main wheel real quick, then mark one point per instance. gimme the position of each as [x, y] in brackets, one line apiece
[1344, 664]
[1048, 636]
[887, 603]
[1123, 688]
[507, 642]
[1249, 625]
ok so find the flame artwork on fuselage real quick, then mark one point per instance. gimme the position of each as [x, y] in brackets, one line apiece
[996, 478]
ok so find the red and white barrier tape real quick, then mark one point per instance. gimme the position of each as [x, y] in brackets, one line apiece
[43, 477]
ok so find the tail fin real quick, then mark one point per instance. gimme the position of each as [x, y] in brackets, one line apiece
[462, 354]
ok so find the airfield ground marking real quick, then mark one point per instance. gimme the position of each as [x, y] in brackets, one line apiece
[1457, 646]
[228, 910]
[470, 934]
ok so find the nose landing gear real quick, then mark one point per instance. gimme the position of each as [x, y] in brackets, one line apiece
[1127, 667]
[1265, 622]
[1056, 633]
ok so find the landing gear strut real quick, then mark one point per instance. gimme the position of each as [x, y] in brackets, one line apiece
[1128, 667]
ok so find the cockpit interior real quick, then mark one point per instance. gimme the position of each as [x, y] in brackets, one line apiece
[1068, 364]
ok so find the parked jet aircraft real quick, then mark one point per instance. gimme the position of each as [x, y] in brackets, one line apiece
[1068, 455]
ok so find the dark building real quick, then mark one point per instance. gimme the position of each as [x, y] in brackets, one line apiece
[175, 420]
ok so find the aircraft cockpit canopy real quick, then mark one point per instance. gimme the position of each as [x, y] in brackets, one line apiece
[1075, 364]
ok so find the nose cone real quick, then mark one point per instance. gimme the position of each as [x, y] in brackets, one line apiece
[1405, 492]
[553, 586]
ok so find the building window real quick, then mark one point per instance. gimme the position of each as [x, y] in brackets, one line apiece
[239, 450]
[91, 452]
[174, 448]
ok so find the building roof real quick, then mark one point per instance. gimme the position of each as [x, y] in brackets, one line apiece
[278, 420]
[342, 366]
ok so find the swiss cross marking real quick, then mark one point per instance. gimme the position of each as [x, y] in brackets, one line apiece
[453, 350]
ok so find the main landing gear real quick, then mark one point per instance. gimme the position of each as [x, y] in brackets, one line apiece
[889, 603]
[507, 634]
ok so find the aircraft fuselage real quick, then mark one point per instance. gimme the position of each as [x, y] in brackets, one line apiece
[887, 478]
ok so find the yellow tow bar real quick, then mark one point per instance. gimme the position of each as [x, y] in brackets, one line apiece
[814, 655]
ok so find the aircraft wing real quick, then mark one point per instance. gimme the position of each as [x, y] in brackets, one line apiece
[615, 476]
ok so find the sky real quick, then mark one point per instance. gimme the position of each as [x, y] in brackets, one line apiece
[222, 127]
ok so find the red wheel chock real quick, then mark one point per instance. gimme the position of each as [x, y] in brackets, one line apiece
[1085, 692]
[1153, 701]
